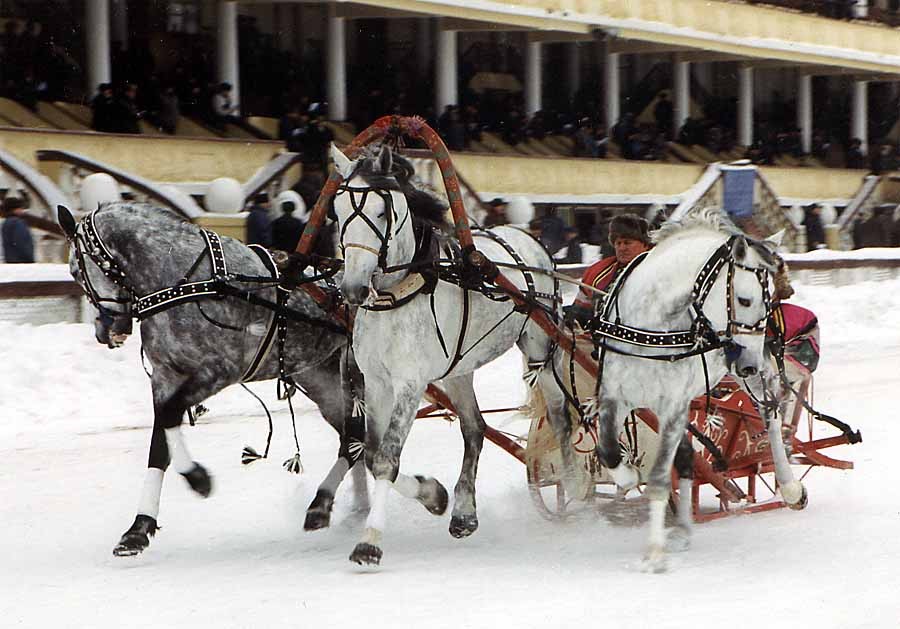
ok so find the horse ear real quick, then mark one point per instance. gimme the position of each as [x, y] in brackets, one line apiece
[342, 163]
[774, 241]
[66, 221]
[739, 249]
[385, 160]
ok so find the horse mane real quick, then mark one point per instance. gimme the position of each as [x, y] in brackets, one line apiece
[425, 205]
[709, 218]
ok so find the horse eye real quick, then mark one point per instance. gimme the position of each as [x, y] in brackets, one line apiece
[745, 301]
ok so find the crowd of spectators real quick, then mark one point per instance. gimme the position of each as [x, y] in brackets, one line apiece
[34, 64]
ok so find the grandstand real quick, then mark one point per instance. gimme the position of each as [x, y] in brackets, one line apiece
[595, 107]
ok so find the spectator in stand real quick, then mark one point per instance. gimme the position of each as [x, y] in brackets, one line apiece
[259, 229]
[815, 230]
[472, 121]
[584, 144]
[453, 129]
[223, 110]
[691, 132]
[513, 127]
[855, 157]
[126, 114]
[552, 227]
[536, 126]
[293, 127]
[318, 139]
[664, 114]
[168, 111]
[287, 229]
[103, 107]
[570, 253]
[601, 141]
[496, 213]
[623, 130]
[883, 159]
[18, 245]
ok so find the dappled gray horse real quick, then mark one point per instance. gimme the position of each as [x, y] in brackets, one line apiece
[135, 260]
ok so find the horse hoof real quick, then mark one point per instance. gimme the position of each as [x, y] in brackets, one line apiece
[366, 555]
[678, 540]
[317, 520]
[432, 495]
[801, 502]
[463, 525]
[655, 560]
[136, 538]
[199, 480]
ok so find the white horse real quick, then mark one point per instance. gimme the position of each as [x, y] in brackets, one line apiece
[705, 277]
[444, 334]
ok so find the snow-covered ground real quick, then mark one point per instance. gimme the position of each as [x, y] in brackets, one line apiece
[74, 432]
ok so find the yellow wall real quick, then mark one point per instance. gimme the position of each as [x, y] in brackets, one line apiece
[156, 158]
[534, 175]
[814, 183]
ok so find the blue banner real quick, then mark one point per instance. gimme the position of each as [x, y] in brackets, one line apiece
[737, 195]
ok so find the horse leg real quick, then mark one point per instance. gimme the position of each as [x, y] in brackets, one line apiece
[680, 537]
[659, 487]
[464, 520]
[137, 537]
[384, 462]
[336, 407]
[610, 425]
[168, 412]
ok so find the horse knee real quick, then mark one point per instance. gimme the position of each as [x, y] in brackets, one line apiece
[384, 467]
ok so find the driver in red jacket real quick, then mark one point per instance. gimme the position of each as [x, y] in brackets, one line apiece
[629, 236]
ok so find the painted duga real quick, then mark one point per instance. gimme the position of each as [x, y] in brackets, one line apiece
[196, 349]
[660, 295]
[442, 335]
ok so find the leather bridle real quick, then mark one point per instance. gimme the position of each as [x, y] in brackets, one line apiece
[358, 198]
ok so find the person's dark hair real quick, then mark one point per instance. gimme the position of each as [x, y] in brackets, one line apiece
[261, 197]
[496, 202]
[12, 203]
[629, 226]
[287, 207]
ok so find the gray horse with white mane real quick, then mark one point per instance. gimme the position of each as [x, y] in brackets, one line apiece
[439, 330]
[135, 260]
[701, 296]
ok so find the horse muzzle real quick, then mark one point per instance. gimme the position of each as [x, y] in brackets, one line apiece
[112, 330]
[355, 294]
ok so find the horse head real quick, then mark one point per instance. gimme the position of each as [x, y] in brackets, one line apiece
[747, 305]
[94, 268]
[373, 221]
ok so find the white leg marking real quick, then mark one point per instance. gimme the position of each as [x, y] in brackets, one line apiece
[149, 502]
[792, 492]
[181, 458]
[685, 510]
[407, 486]
[625, 475]
[655, 560]
[360, 487]
[378, 512]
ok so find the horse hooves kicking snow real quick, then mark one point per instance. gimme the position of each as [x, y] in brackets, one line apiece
[136, 538]
[199, 480]
[366, 555]
[463, 525]
[432, 495]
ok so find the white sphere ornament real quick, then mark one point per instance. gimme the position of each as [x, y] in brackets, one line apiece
[796, 215]
[519, 211]
[96, 189]
[828, 214]
[224, 196]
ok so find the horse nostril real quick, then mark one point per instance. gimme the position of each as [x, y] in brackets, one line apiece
[748, 371]
[355, 295]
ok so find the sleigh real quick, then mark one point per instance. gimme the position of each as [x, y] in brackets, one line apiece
[732, 460]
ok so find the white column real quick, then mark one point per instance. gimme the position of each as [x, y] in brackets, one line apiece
[860, 8]
[533, 77]
[681, 99]
[337, 65]
[228, 49]
[120, 22]
[804, 111]
[97, 43]
[745, 106]
[574, 69]
[445, 68]
[860, 117]
[611, 88]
